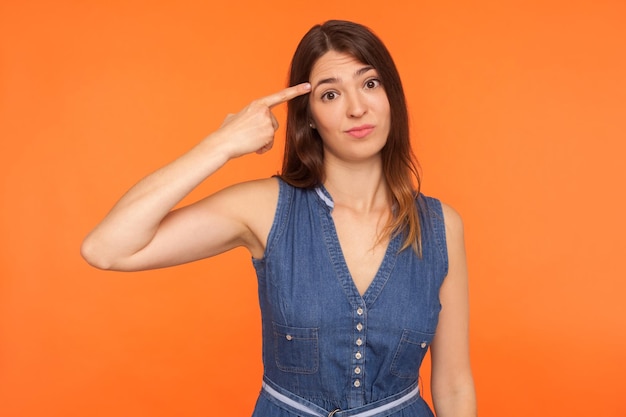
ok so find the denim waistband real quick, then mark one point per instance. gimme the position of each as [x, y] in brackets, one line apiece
[296, 404]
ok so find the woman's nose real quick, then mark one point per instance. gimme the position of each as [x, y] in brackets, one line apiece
[356, 105]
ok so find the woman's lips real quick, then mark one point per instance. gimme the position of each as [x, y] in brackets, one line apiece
[360, 131]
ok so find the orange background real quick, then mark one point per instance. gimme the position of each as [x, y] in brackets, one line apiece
[518, 114]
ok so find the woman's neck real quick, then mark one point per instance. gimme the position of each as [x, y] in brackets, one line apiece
[360, 187]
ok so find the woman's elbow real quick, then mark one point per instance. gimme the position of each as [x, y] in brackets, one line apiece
[93, 255]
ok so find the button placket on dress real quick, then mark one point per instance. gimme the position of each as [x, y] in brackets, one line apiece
[358, 355]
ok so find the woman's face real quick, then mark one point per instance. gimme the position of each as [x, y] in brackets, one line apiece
[349, 107]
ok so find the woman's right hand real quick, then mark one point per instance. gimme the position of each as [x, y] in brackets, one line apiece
[253, 128]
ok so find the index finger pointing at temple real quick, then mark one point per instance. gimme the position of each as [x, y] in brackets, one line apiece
[286, 94]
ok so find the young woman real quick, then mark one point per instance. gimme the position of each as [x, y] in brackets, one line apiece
[359, 274]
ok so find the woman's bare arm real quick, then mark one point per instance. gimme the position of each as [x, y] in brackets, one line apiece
[452, 381]
[142, 231]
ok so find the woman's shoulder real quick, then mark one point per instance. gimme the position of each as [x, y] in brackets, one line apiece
[443, 212]
[453, 224]
[263, 189]
[253, 203]
[452, 217]
[254, 199]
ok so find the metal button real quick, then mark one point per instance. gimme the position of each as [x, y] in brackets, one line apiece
[359, 326]
[359, 342]
[359, 311]
[423, 345]
[357, 370]
[288, 337]
[358, 355]
[357, 383]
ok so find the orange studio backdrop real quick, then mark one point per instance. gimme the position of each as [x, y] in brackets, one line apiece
[518, 118]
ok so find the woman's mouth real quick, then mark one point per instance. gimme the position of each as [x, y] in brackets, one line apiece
[360, 131]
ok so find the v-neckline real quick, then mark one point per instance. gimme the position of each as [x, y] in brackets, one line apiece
[331, 239]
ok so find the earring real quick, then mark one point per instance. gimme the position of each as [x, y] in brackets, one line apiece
[311, 126]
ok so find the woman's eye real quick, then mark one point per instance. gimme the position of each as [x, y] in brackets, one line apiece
[373, 83]
[330, 95]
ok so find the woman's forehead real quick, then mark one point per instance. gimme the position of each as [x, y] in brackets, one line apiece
[337, 65]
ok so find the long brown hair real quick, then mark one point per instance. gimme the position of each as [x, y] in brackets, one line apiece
[303, 162]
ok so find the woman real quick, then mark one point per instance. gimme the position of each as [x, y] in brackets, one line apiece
[359, 274]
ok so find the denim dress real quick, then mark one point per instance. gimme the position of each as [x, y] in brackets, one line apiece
[327, 349]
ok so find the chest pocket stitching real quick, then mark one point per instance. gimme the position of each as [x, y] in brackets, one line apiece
[296, 349]
[410, 353]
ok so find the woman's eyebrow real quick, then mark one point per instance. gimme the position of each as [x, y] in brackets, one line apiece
[363, 70]
[334, 80]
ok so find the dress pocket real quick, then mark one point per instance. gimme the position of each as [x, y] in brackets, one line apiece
[410, 353]
[296, 349]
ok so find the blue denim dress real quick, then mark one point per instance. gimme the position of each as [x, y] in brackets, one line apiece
[327, 350]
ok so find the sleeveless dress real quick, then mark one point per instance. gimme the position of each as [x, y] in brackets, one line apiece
[327, 350]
